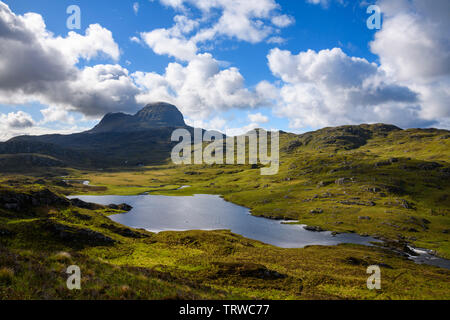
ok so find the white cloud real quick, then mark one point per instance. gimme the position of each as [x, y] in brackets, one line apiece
[245, 20]
[331, 88]
[276, 40]
[97, 40]
[199, 89]
[166, 41]
[17, 120]
[37, 66]
[410, 87]
[283, 21]
[8, 133]
[54, 114]
[258, 118]
[414, 49]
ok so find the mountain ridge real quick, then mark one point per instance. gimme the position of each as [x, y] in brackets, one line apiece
[123, 140]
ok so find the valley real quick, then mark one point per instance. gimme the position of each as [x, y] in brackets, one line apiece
[369, 180]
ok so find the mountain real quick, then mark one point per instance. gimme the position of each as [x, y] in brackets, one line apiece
[118, 140]
[154, 115]
[123, 140]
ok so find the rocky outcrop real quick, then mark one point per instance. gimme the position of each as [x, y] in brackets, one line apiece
[121, 207]
[125, 232]
[249, 270]
[153, 115]
[20, 201]
[313, 228]
[76, 235]
[17, 201]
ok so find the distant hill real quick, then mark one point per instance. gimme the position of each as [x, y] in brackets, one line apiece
[123, 140]
[118, 140]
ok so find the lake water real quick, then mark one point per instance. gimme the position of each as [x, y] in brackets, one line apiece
[211, 212]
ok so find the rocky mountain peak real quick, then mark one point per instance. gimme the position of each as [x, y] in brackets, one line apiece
[161, 114]
[153, 115]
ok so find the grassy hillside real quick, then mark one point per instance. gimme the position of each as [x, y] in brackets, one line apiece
[38, 243]
[376, 180]
[391, 183]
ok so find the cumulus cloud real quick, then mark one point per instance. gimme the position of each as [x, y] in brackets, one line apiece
[410, 87]
[331, 88]
[413, 42]
[54, 114]
[245, 20]
[414, 48]
[200, 88]
[172, 41]
[37, 66]
[17, 120]
[258, 117]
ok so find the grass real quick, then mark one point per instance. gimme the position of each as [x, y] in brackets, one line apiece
[391, 185]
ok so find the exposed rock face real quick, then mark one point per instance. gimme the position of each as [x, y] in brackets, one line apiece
[313, 228]
[162, 115]
[248, 270]
[154, 115]
[78, 236]
[20, 201]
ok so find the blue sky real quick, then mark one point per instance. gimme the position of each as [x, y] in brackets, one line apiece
[310, 84]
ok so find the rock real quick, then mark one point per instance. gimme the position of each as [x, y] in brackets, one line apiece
[355, 261]
[429, 166]
[316, 211]
[61, 183]
[192, 173]
[126, 232]
[405, 204]
[154, 115]
[122, 207]
[323, 184]
[78, 236]
[85, 205]
[399, 246]
[246, 269]
[357, 203]
[17, 201]
[364, 218]
[292, 145]
[384, 265]
[342, 181]
[81, 216]
[372, 189]
[313, 228]
[382, 163]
